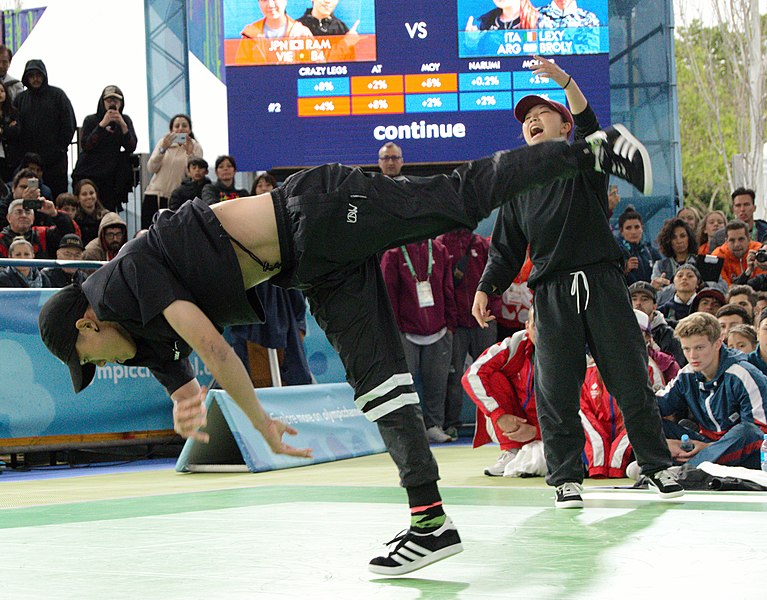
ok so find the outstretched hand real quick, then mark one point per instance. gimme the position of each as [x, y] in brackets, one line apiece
[273, 436]
[189, 415]
[550, 69]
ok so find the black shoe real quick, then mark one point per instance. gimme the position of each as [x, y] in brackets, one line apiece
[619, 153]
[568, 495]
[666, 484]
[416, 550]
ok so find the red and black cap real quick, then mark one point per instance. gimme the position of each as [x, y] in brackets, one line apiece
[525, 104]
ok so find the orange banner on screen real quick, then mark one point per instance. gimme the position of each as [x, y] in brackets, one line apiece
[334, 106]
[375, 105]
[289, 51]
[431, 84]
[381, 84]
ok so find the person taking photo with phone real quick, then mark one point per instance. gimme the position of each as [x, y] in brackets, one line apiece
[107, 141]
[21, 216]
[168, 166]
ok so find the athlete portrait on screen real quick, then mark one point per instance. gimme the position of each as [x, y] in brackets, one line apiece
[521, 14]
[311, 35]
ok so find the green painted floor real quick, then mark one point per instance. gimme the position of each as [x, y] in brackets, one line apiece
[309, 532]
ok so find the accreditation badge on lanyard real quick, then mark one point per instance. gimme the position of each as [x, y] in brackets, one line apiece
[422, 288]
[425, 295]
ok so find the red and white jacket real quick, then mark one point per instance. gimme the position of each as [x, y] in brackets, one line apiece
[500, 382]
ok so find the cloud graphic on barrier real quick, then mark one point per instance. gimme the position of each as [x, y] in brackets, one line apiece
[26, 407]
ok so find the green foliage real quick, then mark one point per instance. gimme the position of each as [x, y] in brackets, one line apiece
[704, 150]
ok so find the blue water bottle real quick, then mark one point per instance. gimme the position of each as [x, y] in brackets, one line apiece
[764, 453]
[687, 445]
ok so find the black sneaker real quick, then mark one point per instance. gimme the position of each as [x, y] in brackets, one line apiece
[568, 495]
[619, 153]
[416, 550]
[666, 484]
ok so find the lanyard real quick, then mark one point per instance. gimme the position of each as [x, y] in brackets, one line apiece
[410, 264]
[529, 390]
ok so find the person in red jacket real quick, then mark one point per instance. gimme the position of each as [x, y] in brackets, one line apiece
[608, 450]
[500, 383]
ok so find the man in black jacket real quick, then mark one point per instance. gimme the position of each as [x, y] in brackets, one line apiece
[70, 248]
[49, 124]
[644, 298]
[107, 140]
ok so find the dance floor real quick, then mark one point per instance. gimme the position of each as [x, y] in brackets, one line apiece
[145, 531]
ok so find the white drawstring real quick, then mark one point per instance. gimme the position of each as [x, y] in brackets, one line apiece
[575, 289]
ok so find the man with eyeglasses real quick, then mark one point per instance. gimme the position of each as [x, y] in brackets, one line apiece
[390, 159]
[113, 233]
[44, 239]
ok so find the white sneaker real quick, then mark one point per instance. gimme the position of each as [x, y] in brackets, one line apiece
[633, 471]
[435, 435]
[504, 459]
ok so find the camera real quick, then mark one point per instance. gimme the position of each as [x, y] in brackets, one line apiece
[32, 204]
[761, 256]
[33, 183]
[180, 138]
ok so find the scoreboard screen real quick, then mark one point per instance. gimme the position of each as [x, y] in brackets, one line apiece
[308, 85]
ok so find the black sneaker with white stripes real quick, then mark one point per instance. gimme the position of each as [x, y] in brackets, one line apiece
[619, 153]
[568, 495]
[416, 550]
[666, 483]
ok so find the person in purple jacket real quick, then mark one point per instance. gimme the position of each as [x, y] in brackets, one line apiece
[468, 256]
[419, 279]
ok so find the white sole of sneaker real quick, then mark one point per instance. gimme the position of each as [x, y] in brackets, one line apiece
[489, 474]
[569, 504]
[420, 564]
[647, 188]
[668, 495]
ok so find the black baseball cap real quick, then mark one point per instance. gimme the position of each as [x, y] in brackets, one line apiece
[57, 323]
[71, 240]
[643, 287]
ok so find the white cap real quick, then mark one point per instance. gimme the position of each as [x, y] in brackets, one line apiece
[643, 320]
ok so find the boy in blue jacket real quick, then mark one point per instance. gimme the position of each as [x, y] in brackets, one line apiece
[724, 393]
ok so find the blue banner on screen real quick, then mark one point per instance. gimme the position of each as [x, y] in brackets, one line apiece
[439, 79]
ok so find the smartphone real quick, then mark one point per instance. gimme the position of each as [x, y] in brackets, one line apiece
[180, 138]
[33, 183]
[32, 204]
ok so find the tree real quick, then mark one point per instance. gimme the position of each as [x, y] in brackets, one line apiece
[722, 102]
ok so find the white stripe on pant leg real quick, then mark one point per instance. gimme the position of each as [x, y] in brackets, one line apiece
[390, 405]
[384, 388]
[395, 381]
